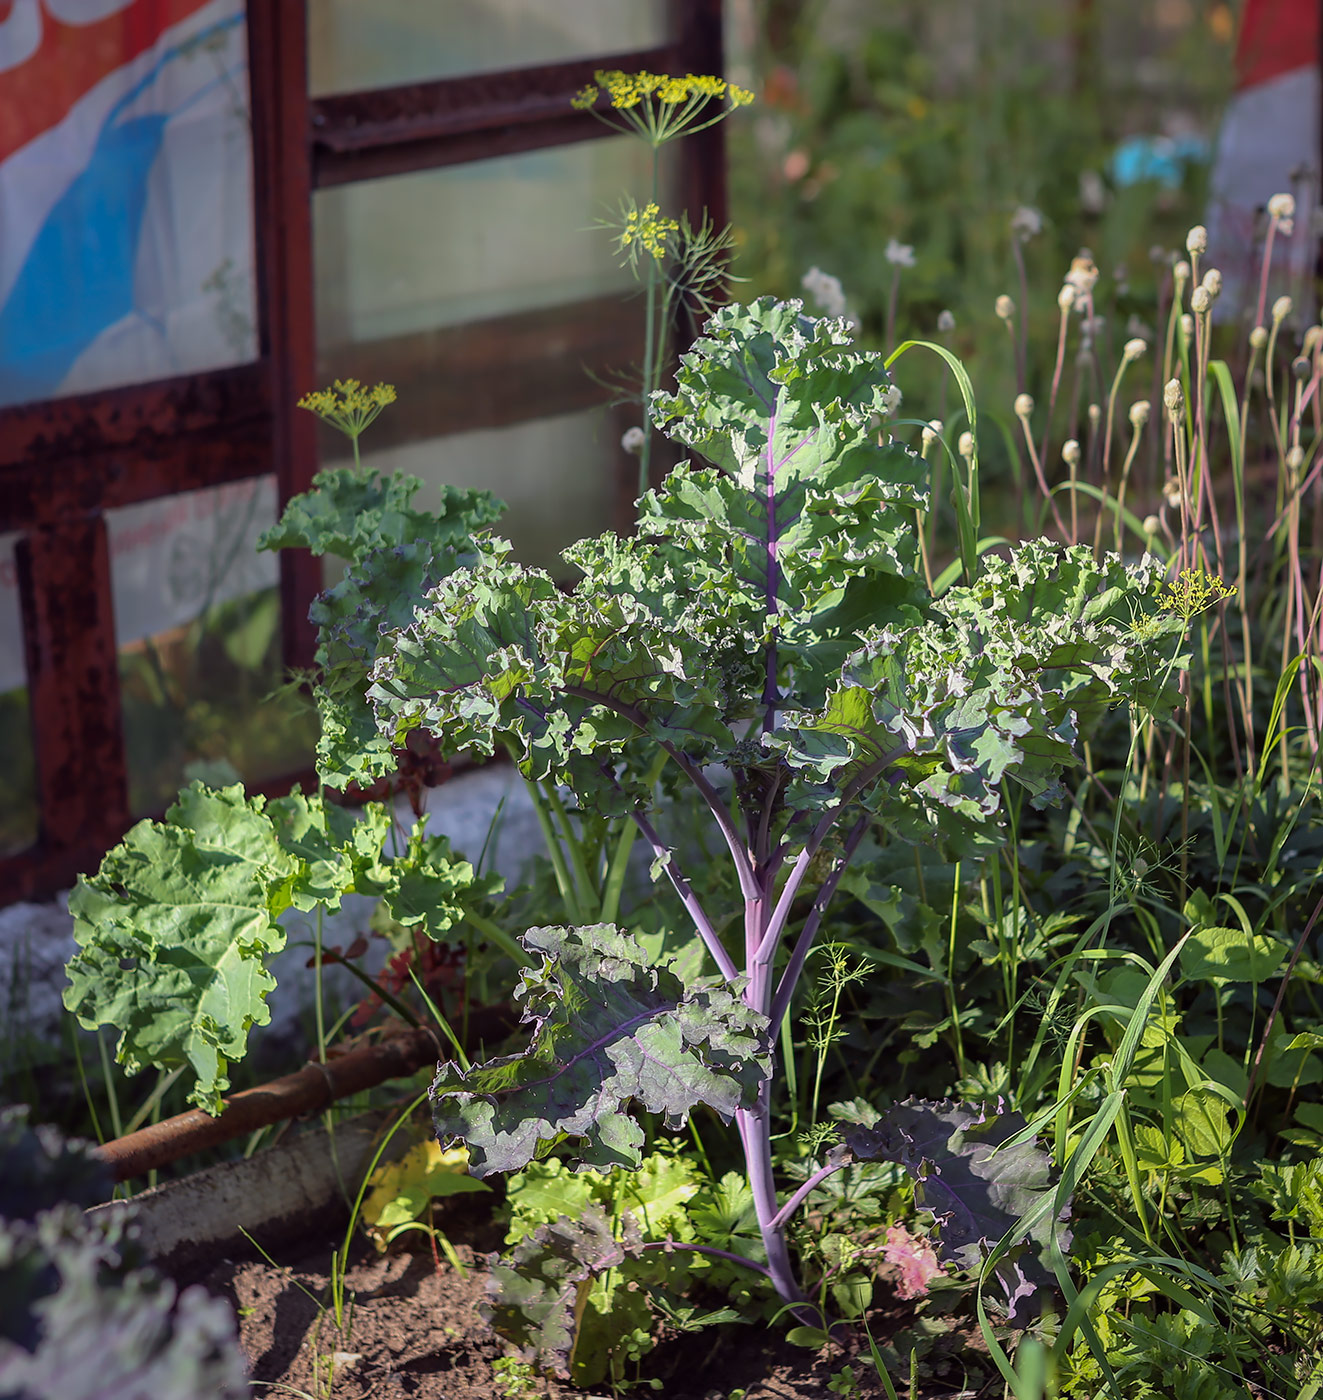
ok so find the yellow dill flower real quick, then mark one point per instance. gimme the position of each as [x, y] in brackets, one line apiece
[1194, 590]
[648, 229]
[658, 106]
[349, 405]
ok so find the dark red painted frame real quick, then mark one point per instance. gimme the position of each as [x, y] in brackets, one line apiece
[64, 463]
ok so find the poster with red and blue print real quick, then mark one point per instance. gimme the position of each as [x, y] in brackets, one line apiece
[126, 239]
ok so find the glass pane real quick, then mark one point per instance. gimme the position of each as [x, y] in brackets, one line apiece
[413, 252]
[18, 774]
[486, 296]
[126, 239]
[353, 45]
[197, 618]
[571, 494]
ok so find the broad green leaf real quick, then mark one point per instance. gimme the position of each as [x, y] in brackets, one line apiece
[176, 928]
[1201, 1123]
[1231, 955]
[174, 932]
[401, 1191]
[609, 1030]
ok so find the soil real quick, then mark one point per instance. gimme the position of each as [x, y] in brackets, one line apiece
[413, 1330]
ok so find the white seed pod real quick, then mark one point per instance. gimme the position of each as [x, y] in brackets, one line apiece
[1200, 301]
[1281, 308]
[1174, 397]
[1312, 337]
[1004, 307]
[1171, 492]
[1181, 272]
[1281, 206]
[1070, 452]
[931, 432]
[1196, 241]
[1066, 297]
[632, 441]
[966, 444]
[1295, 458]
[1258, 337]
[1139, 411]
[1133, 349]
[1187, 324]
[945, 322]
[1095, 416]
[892, 398]
[1152, 525]
[1212, 282]
[1024, 405]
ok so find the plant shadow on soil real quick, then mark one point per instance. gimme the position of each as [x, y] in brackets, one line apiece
[414, 1330]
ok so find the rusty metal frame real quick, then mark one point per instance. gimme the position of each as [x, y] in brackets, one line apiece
[66, 462]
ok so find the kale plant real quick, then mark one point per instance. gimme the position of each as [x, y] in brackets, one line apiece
[769, 630]
[81, 1315]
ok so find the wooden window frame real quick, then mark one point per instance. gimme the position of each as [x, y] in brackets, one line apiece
[65, 462]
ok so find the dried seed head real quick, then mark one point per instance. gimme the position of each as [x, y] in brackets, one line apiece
[1174, 397]
[931, 433]
[1258, 337]
[966, 444]
[1200, 301]
[1187, 324]
[1083, 274]
[1133, 349]
[1295, 458]
[1171, 492]
[1024, 405]
[632, 441]
[1070, 452]
[1004, 307]
[1312, 337]
[1152, 525]
[1281, 308]
[1196, 241]
[1181, 272]
[1139, 411]
[1026, 223]
[1212, 282]
[1281, 206]
[1066, 297]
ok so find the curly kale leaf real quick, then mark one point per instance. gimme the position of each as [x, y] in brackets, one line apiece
[996, 685]
[176, 928]
[396, 555]
[351, 513]
[43, 1168]
[803, 527]
[978, 1189]
[79, 1324]
[536, 1294]
[609, 1030]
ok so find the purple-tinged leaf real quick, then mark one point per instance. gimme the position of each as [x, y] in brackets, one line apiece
[609, 1030]
[977, 1190]
[534, 1294]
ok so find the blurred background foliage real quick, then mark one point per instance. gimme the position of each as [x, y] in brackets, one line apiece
[931, 122]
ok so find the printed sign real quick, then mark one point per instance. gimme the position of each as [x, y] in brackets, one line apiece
[126, 243]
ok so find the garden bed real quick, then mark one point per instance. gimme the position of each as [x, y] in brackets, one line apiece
[413, 1330]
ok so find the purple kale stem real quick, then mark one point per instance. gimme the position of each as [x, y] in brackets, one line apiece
[794, 1203]
[786, 988]
[755, 1125]
[690, 901]
[708, 1249]
[771, 604]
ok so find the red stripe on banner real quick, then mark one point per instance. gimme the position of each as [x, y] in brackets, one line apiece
[1276, 36]
[72, 59]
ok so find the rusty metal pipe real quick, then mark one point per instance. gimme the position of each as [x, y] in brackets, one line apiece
[307, 1091]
